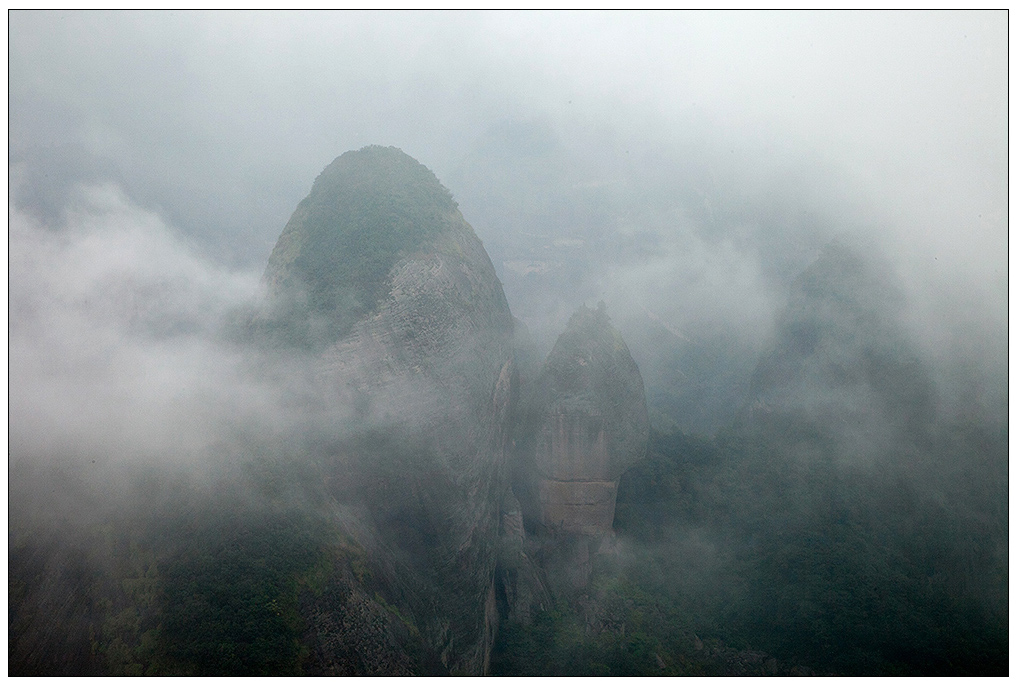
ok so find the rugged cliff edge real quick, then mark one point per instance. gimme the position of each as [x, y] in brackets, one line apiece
[378, 276]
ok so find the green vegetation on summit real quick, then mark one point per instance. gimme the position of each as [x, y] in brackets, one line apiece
[366, 210]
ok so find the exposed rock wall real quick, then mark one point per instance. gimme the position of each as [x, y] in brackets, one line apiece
[425, 358]
[522, 587]
[585, 507]
[591, 425]
[378, 276]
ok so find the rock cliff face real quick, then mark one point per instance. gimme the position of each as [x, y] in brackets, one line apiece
[379, 275]
[592, 425]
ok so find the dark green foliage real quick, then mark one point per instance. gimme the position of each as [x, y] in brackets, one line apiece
[849, 570]
[841, 362]
[230, 595]
[860, 535]
[657, 492]
[191, 582]
[838, 526]
[631, 621]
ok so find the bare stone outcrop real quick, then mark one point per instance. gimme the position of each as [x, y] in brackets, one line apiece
[592, 425]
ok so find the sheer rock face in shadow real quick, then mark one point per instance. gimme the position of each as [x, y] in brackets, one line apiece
[522, 586]
[592, 425]
[379, 276]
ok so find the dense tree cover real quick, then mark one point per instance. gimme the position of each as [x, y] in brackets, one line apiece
[207, 586]
[758, 552]
[848, 570]
[231, 597]
[253, 573]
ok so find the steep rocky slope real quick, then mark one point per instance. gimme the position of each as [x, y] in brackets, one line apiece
[381, 277]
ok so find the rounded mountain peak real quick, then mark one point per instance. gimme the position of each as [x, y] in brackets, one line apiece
[366, 210]
[386, 174]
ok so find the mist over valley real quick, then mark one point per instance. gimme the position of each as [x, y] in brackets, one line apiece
[508, 344]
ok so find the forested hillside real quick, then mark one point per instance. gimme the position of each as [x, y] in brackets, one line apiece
[508, 343]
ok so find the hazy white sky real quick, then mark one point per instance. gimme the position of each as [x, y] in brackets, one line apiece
[223, 119]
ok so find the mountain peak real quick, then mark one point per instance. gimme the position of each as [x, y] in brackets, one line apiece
[366, 210]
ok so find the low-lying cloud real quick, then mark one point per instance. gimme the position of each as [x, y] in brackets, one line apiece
[119, 346]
